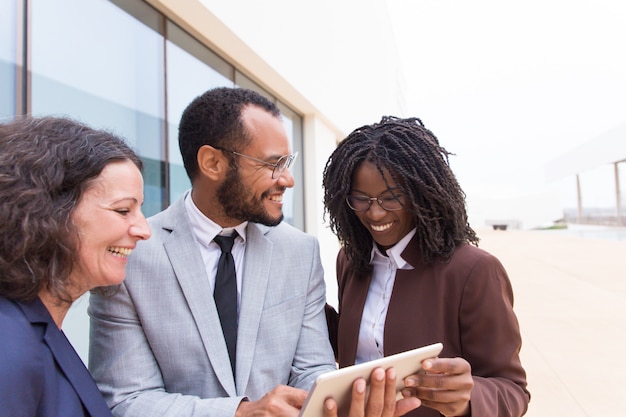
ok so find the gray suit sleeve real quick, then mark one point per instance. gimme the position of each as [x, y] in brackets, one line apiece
[126, 370]
[314, 353]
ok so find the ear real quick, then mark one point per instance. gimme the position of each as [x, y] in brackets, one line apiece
[211, 162]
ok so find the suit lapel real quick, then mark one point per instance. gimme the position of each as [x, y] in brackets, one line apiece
[68, 360]
[186, 260]
[399, 313]
[355, 291]
[256, 274]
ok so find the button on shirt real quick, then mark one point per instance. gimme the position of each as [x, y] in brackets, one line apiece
[372, 330]
[205, 230]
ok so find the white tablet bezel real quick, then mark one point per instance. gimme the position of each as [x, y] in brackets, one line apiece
[338, 384]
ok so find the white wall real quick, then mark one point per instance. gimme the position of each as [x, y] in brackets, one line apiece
[341, 55]
[316, 154]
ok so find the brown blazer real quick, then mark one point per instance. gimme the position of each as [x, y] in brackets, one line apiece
[465, 303]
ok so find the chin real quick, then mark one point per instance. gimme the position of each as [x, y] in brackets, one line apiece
[115, 280]
[273, 221]
[386, 243]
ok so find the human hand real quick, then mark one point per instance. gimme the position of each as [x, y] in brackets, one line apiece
[381, 401]
[444, 384]
[282, 401]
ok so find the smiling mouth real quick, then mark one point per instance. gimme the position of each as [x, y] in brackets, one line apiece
[277, 198]
[381, 227]
[119, 251]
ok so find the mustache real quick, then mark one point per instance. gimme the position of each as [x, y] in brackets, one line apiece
[274, 190]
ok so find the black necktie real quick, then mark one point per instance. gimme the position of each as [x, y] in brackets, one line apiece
[225, 294]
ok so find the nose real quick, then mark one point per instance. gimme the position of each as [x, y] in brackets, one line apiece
[285, 179]
[375, 211]
[141, 229]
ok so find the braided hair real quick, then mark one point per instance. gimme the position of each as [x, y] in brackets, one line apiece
[419, 165]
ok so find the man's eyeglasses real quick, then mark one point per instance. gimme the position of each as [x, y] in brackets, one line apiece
[283, 162]
[363, 203]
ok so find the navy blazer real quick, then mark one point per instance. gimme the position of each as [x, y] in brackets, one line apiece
[40, 372]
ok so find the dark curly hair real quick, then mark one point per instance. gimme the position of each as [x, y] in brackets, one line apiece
[46, 164]
[214, 119]
[419, 165]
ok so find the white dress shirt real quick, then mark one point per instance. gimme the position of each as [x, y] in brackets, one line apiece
[371, 332]
[205, 230]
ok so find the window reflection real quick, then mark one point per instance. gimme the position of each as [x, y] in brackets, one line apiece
[107, 78]
[191, 70]
[8, 54]
[294, 201]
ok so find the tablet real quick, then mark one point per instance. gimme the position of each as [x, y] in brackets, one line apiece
[338, 384]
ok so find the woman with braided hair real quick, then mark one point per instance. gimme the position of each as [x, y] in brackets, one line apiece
[410, 273]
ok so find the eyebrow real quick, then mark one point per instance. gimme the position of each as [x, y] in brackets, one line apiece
[275, 157]
[119, 200]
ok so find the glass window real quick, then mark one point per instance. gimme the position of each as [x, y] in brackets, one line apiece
[105, 68]
[192, 69]
[8, 55]
[245, 82]
[293, 207]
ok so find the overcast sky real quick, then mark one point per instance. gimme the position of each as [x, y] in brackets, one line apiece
[509, 86]
[506, 86]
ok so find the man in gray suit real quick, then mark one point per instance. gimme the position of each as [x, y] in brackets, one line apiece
[157, 347]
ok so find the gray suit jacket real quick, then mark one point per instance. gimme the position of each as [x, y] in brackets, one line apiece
[156, 346]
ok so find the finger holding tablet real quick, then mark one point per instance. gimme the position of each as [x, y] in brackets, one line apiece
[377, 401]
[348, 387]
[444, 384]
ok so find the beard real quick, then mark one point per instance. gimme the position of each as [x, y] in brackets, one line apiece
[241, 204]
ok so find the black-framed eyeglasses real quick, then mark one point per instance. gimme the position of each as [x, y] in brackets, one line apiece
[279, 166]
[389, 202]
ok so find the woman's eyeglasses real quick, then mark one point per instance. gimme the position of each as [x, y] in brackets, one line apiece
[388, 202]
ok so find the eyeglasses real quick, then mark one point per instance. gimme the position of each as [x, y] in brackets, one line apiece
[363, 203]
[283, 162]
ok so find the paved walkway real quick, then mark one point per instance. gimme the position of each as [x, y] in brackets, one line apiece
[570, 299]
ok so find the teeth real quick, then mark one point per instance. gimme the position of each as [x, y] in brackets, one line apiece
[277, 198]
[381, 228]
[120, 251]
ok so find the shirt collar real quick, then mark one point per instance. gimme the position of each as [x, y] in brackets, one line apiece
[206, 229]
[395, 252]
